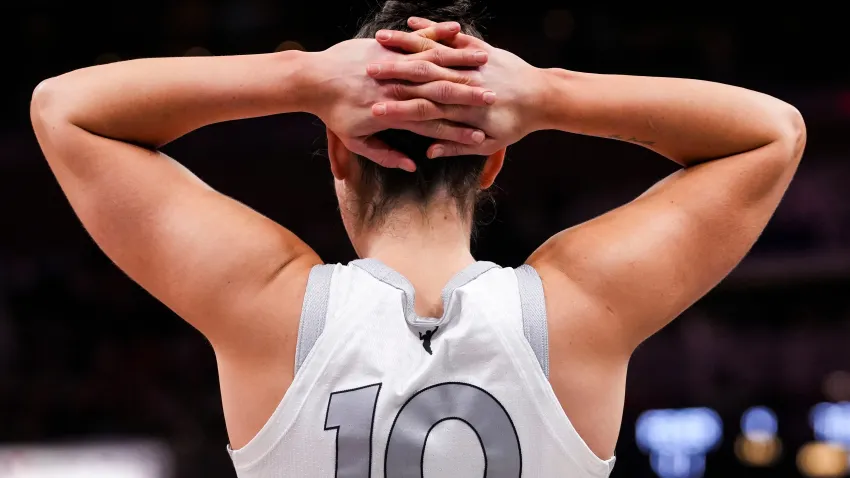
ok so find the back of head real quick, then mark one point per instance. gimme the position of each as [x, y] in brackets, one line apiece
[459, 177]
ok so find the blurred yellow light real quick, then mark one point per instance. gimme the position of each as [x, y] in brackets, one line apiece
[758, 452]
[822, 460]
[197, 51]
[289, 45]
[558, 25]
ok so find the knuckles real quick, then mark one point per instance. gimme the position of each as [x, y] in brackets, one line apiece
[438, 129]
[438, 57]
[395, 91]
[421, 69]
[422, 109]
[445, 92]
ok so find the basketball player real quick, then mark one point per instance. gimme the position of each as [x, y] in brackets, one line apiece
[417, 360]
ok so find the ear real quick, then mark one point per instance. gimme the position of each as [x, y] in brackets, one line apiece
[492, 168]
[340, 157]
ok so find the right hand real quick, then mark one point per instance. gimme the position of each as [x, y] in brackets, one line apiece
[518, 85]
[343, 95]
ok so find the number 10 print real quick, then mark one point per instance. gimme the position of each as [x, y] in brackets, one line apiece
[352, 414]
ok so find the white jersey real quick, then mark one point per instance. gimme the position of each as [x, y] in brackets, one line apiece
[382, 392]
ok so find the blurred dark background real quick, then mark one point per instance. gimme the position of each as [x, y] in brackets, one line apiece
[86, 355]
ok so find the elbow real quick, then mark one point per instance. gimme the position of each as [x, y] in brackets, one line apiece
[792, 133]
[45, 106]
[781, 157]
[50, 115]
[52, 122]
[41, 100]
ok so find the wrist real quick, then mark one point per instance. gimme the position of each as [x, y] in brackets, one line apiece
[549, 98]
[312, 82]
[301, 80]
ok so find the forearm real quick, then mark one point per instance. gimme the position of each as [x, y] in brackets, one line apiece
[688, 121]
[154, 101]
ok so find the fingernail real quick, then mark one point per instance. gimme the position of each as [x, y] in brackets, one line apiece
[382, 35]
[489, 97]
[373, 69]
[437, 152]
[478, 137]
[379, 109]
[408, 166]
[480, 57]
[414, 20]
[454, 27]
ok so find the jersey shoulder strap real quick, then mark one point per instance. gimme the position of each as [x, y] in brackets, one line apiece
[534, 322]
[314, 311]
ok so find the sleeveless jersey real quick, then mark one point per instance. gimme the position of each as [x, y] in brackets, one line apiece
[382, 392]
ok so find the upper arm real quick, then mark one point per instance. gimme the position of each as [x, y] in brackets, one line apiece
[209, 258]
[638, 267]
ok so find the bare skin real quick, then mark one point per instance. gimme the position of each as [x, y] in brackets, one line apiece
[239, 278]
[230, 272]
[614, 281]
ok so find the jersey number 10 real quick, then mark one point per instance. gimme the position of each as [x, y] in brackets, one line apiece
[352, 414]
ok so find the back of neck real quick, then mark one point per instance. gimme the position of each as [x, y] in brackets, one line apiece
[428, 250]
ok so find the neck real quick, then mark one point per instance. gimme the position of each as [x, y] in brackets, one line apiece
[428, 248]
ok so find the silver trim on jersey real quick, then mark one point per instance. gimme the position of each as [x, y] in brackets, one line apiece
[313, 312]
[533, 303]
[386, 274]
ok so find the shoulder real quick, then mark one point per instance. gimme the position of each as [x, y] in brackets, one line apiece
[582, 320]
[270, 319]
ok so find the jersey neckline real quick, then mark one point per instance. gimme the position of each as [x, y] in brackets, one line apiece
[390, 276]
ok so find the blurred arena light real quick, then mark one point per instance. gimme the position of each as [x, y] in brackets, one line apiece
[289, 45]
[758, 445]
[831, 423]
[822, 460]
[127, 460]
[759, 422]
[678, 440]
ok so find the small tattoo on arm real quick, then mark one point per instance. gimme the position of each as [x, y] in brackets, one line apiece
[632, 140]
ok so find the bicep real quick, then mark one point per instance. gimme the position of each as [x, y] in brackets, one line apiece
[646, 262]
[203, 254]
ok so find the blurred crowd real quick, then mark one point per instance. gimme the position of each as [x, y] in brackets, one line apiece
[84, 354]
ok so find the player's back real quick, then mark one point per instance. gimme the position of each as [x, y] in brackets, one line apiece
[382, 392]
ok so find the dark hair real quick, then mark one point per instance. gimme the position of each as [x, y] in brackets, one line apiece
[383, 188]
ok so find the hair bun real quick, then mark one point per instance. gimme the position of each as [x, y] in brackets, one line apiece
[394, 14]
[437, 10]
